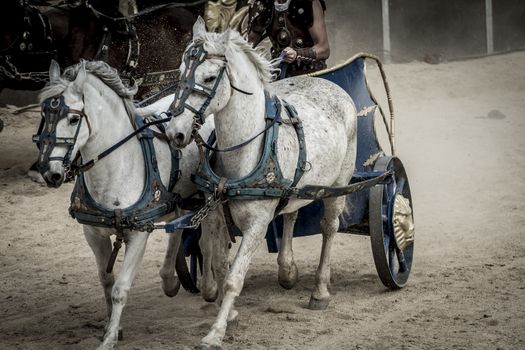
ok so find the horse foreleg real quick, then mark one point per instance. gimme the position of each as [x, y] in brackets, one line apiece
[100, 243]
[254, 229]
[221, 263]
[208, 244]
[215, 249]
[170, 282]
[320, 297]
[135, 246]
[288, 273]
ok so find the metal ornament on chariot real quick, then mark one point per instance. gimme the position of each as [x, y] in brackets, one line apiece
[403, 222]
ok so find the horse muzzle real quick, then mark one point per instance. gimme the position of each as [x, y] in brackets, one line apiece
[178, 140]
[53, 178]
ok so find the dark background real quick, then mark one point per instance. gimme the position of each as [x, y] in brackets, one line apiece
[452, 29]
[419, 29]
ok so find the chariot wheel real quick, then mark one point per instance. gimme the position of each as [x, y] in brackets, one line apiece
[392, 224]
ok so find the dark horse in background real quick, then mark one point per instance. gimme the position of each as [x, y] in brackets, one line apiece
[146, 47]
[29, 39]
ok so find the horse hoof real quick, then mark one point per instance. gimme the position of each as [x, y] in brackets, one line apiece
[288, 276]
[232, 316]
[35, 176]
[120, 335]
[210, 297]
[318, 304]
[172, 290]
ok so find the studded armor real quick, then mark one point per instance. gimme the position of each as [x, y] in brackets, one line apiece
[287, 25]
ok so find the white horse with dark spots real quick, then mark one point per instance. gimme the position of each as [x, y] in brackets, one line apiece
[223, 75]
[88, 111]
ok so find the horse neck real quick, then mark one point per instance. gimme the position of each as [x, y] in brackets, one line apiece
[240, 120]
[120, 176]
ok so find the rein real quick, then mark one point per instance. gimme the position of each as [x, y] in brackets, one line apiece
[89, 164]
[55, 110]
[200, 141]
[145, 11]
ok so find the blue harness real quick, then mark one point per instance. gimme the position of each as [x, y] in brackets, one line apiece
[266, 181]
[155, 201]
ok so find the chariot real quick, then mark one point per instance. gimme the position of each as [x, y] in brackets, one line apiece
[378, 199]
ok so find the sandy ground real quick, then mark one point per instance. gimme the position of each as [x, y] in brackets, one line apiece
[460, 130]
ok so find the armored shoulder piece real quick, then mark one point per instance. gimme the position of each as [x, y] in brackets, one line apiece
[301, 13]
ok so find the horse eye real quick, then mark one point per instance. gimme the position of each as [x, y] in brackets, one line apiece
[210, 79]
[74, 120]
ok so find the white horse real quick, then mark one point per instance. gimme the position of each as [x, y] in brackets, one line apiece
[117, 181]
[230, 66]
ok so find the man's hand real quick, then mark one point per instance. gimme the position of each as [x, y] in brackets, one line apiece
[290, 55]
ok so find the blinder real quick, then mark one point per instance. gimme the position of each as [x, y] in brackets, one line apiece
[194, 57]
[54, 109]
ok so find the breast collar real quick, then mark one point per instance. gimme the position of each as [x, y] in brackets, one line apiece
[266, 180]
[155, 201]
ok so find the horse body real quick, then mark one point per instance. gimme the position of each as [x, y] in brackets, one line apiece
[118, 180]
[329, 119]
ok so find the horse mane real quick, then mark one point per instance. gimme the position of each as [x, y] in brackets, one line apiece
[265, 68]
[101, 70]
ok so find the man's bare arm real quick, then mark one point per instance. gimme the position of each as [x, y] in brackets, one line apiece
[318, 33]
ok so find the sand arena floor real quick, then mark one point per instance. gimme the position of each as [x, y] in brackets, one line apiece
[460, 133]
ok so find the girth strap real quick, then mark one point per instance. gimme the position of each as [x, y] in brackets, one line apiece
[294, 120]
[118, 241]
[220, 193]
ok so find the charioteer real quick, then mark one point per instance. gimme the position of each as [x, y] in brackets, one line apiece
[295, 27]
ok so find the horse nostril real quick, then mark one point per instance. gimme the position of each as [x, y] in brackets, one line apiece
[179, 138]
[56, 177]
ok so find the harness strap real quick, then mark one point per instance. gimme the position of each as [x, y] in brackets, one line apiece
[89, 164]
[103, 48]
[240, 145]
[176, 155]
[226, 208]
[147, 10]
[320, 192]
[220, 193]
[155, 201]
[229, 221]
[301, 161]
[118, 241]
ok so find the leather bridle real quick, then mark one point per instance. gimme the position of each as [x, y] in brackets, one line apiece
[54, 109]
[193, 58]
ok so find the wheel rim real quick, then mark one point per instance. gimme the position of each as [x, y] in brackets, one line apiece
[392, 263]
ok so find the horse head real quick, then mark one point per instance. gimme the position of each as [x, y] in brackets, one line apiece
[62, 131]
[75, 109]
[215, 67]
[204, 83]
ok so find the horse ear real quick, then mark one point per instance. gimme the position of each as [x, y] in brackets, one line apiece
[80, 79]
[199, 28]
[54, 71]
